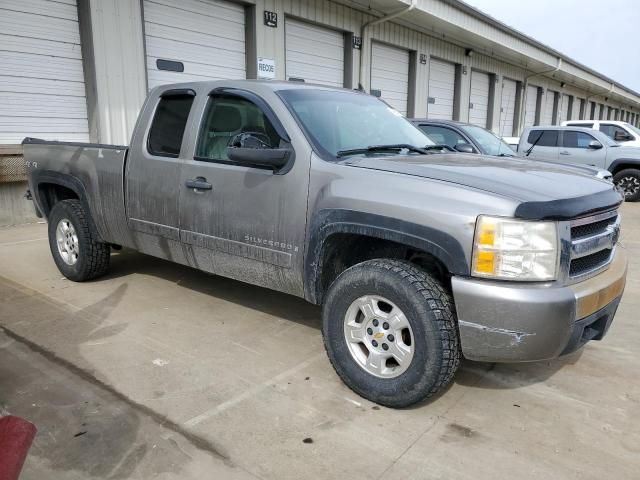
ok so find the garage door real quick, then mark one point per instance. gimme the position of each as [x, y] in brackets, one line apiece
[442, 81]
[507, 107]
[479, 99]
[42, 91]
[313, 53]
[530, 106]
[564, 108]
[547, 117]
[205, 39]
[390, 75]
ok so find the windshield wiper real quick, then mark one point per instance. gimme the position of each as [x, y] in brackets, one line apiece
[383, 148]
[529, 150]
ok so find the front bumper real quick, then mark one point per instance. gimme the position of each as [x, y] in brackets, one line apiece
[511, 322]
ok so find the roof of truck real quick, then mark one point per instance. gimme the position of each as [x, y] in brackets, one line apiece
[271, 84]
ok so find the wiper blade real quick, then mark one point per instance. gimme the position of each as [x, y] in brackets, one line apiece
[440, 147]
[382, 148]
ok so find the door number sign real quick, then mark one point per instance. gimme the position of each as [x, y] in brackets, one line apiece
[271, 19]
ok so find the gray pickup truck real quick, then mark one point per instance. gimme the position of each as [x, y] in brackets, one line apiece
[418, 258]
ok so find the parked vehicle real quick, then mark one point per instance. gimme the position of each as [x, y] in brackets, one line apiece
[588, 147]
[463, 137]
[330, 195]
[512, 142]
[620, 132]
[468, 138]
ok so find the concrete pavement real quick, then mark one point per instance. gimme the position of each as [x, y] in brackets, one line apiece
[161, 371]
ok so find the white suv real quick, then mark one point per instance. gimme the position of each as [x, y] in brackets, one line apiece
[621, 132]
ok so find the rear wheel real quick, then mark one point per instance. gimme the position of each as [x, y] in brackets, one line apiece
[628, 181]
[390, 333]
[77, 253]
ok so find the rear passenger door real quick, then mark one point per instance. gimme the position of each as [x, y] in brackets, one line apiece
[546, 145]
[575, 149]
[153, 169]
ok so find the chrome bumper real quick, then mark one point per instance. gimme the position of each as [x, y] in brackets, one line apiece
[511, 322]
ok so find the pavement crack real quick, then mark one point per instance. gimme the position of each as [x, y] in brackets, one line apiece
[163, 421]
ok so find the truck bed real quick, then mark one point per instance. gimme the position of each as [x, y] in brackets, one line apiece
[94, 171]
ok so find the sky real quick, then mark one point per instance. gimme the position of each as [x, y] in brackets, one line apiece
[602, 35]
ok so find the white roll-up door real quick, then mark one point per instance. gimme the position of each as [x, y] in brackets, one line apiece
[507, 107]
[390, 75]
[530, 106]
[442, 82]
[564, 108]
[479, 98]
[596, 112]
[204, 37]
[547, 117]
[42, 91]
[313, 53]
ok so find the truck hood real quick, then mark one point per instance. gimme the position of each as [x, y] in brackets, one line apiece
[520, 179]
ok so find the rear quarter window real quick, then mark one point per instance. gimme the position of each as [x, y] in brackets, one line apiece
[167, 128]
[543, 138]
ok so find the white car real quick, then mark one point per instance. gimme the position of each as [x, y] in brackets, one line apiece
[512, 142]
[621, 132]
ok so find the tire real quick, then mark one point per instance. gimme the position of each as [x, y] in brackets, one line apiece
[628, 180]
[84, 257]
[429, 312]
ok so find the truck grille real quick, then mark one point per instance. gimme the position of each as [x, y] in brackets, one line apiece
[592, 242]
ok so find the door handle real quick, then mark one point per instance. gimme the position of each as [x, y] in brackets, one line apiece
[564, 152]
[198, 183]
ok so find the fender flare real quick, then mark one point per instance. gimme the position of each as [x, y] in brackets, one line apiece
[618, 161]
[66, 180]
[328, 222]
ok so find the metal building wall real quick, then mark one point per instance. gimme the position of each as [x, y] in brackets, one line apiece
[119, 80]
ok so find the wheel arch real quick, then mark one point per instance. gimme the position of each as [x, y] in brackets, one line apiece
[622, 164]
[341, 238]
[51, 187]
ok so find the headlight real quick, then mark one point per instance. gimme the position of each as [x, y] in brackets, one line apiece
[509, 249]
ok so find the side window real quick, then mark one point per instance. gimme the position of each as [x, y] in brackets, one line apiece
[610, 130]
[576, 139]
[226, 118]
[543, 138]
[443, 135]
[167, 128]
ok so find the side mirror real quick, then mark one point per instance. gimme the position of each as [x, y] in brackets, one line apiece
[465, 148]
[622, 137]
[595, 145]
[276, 158]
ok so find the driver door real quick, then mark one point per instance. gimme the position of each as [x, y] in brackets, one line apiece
[243, 222]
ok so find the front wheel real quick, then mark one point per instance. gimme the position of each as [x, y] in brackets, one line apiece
[628, 181]
[78, 254]
[389, 330]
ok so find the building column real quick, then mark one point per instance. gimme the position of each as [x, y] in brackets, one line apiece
[114, 62]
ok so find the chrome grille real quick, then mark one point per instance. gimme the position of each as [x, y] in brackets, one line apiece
[592, 243]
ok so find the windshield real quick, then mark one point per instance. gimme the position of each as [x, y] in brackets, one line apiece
[490, 143]
[338, 121]
[632, 128]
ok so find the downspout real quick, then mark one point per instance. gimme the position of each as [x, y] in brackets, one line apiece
[526, 84]
[373, 23]
[608, 92]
